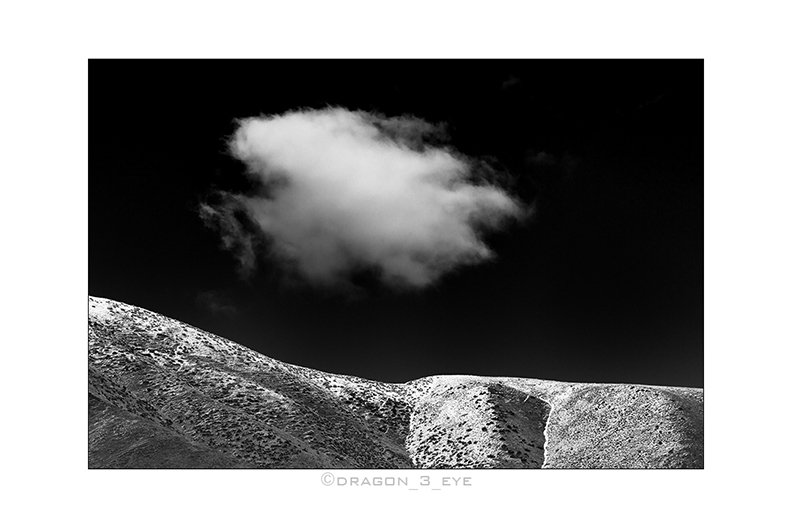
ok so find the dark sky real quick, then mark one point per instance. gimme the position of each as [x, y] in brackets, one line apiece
[604, 283]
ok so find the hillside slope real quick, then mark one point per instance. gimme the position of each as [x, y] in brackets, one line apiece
[165, 394]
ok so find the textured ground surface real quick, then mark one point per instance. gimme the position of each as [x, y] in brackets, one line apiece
[163, 394]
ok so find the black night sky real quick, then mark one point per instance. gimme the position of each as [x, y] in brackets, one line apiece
[603, 283]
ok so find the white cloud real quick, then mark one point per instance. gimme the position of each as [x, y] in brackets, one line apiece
[345, 191]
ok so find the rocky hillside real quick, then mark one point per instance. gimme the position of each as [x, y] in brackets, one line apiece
[163, 394]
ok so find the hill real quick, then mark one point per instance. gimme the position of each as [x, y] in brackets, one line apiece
[163, 394]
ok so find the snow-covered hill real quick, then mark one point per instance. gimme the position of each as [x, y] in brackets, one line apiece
[165, 394]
